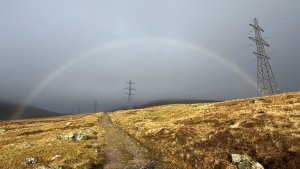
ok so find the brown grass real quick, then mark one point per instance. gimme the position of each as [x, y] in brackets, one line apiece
[42, 134]
[204, 135]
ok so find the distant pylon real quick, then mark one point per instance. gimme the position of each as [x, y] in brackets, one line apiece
[266, 83]
[96, 105]
[79, 109]
[130, 94]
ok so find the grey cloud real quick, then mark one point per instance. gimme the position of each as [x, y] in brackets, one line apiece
[38, 37]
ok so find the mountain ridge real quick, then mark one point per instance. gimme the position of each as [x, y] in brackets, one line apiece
[7, 109]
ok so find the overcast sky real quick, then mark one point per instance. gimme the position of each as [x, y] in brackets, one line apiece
[164, 46]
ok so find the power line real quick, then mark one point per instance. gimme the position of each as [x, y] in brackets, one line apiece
[239, 36]
[280, 33]
[227, 53]
[282, 19]
[234, 39]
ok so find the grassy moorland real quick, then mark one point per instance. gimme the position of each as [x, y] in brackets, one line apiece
[39, 139]
[204, 135]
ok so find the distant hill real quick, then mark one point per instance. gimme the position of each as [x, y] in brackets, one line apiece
[7, 110]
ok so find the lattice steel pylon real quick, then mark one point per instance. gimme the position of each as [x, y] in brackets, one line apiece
[266, 83]
[130, 94]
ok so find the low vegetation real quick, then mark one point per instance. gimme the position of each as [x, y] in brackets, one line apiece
[205, 135]
[38, 142]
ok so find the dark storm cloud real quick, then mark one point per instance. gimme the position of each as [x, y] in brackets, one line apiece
[39, 37]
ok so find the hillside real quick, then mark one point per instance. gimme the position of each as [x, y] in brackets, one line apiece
[183, 136]
[164, 102]
[59, 142]
[174, 101]
[205, 135]
[7, 109]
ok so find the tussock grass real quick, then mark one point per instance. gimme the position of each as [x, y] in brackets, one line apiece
[204, 135]
[38, 138]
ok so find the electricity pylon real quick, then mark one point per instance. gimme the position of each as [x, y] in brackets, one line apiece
[266, 83]
[130, 94]
[96, 105]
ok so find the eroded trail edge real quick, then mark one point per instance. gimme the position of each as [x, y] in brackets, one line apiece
[121, 150]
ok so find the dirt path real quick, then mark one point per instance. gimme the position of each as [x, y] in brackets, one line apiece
[121, 150]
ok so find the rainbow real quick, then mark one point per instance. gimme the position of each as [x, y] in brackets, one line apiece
[113, 45]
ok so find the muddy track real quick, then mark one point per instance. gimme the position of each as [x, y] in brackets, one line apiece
[121, 150]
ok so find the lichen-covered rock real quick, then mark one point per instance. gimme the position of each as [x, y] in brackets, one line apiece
[245, 162]
[25, 145]
[29, 161]
[67, 136]
[257, 166]
[86, 134]
[82, 135]
[237, 158]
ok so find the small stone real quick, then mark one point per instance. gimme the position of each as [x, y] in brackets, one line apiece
[25, 145]
[55, 157]
[68, 123]
[81, 137]
[2, 130]
[67, 136]
[257, 166]
[235, 158]
[29, 161]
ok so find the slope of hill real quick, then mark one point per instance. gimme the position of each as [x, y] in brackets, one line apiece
[205, 135]
[181, 136]
[163, 102]
[72, 141]
[174, 101]
[7, 109]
